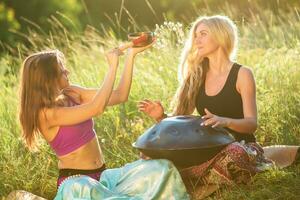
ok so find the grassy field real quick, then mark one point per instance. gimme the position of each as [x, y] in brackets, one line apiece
[270, 47]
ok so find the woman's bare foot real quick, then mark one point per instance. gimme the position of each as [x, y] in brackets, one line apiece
[282, 155]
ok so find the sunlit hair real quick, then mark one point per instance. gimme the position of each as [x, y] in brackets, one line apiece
[192, 68]
[39, 88]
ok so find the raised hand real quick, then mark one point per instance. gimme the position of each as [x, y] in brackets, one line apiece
[136, 50]
[153, 109]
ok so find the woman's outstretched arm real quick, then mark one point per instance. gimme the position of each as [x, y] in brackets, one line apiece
[121, 93]
[59, 116]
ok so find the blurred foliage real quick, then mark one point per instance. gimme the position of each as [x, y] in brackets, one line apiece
[119, 16]
[122, 16]
[17, 16]
[7, 21]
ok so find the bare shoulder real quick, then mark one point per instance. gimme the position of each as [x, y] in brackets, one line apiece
[74, 92]
[245, 79]
[245, 72]
[245, 75]
[75, 88]
[44, 115]
[79, 89]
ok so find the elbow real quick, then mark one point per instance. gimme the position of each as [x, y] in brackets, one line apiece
[123, 99]
[99, 110]
[254, 126]
[122, 95]
[252, 130]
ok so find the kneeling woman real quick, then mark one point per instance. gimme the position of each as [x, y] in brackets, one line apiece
[62, 113]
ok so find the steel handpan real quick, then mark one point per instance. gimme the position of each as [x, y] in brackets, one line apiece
[183, 140]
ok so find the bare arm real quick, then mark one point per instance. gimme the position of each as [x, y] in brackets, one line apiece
[118, 95]
[246, 87]
[121, 93]
[59, 116]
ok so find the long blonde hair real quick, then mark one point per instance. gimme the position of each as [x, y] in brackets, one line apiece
[192, 68]
[39, 88]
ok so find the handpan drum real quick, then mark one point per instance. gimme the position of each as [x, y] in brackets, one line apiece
[183, 140]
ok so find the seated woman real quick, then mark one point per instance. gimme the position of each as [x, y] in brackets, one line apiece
[223, 92]
[62, 114]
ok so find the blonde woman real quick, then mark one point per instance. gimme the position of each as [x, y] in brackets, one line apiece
[223, 93]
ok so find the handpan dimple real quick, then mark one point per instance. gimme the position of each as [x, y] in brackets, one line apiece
[173, 132]
[183, 140]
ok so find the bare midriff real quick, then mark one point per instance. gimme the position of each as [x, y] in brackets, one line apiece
[88, 156]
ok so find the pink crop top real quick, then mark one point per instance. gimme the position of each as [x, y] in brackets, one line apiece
[70, 138]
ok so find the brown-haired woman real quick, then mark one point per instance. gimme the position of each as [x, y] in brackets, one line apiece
[62, 113]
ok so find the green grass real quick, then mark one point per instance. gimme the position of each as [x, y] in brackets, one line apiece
[271, 50]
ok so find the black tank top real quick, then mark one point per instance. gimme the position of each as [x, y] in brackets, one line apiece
[227, 103]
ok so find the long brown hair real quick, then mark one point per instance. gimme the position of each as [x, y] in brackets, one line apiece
[192, 68]
[39, 88]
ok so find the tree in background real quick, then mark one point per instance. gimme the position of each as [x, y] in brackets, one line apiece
[16, 15]
[123, 16]
[7, 22]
